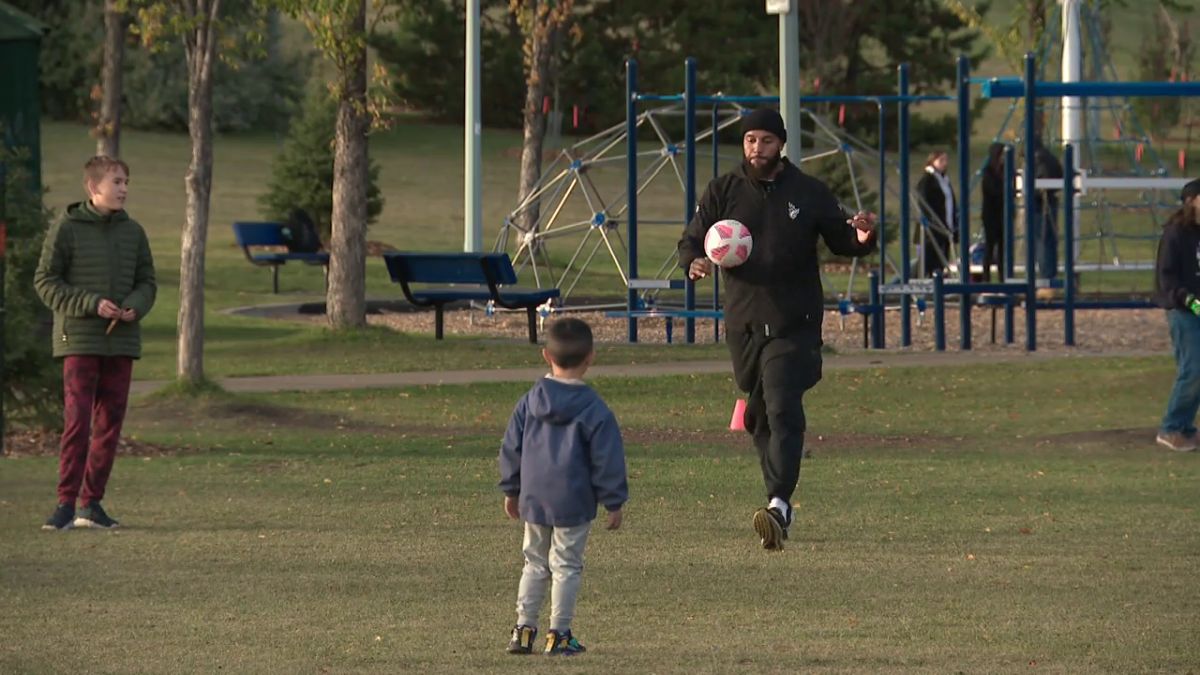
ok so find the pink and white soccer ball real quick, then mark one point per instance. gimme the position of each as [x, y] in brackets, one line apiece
[728, 243]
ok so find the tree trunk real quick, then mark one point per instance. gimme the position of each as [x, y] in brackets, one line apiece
[346, 299]
[200, 45]
[538, 39]
[1037, 22]
[108, 126]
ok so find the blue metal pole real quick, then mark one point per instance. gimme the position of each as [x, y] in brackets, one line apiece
[631, 177]
[689, 186]
[939, 312]
[905, 261]
[877, 310]
[880, 326]
[1010, 212]
[1030, 172]
[964, 196]
[1068, 200]
[716, 167]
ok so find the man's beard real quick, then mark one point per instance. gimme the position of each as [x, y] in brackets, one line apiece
[765, 172]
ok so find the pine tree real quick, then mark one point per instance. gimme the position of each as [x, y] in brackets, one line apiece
[302, 176]
[32, 378]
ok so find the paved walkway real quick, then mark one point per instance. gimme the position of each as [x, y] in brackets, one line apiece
[417, 378]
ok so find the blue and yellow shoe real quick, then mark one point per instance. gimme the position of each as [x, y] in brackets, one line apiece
[522, 639]
[562, 644]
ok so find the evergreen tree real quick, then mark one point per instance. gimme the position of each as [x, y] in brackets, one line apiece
[32, 378]
[302, 176]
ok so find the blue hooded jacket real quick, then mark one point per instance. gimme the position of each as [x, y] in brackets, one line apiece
[562, 455]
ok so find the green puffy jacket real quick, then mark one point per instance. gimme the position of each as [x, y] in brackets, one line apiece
[88, 257]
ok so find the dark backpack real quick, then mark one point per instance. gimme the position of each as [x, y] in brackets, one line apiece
[300, 234]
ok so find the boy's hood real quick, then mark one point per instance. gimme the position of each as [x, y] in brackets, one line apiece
[558, 402]
[84, 213]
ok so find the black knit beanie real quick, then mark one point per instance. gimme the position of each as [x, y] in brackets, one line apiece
[765, 119]
[1192, 189]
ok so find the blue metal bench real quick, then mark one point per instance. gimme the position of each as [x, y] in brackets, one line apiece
[252, 235]
[475, 276]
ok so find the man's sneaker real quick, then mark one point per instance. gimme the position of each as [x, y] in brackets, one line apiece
[522, 639]
[771, 528]
[562, 644]
[93, 515]
[1176, 441]
[63, 518]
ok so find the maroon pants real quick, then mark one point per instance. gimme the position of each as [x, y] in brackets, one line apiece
[95, 391]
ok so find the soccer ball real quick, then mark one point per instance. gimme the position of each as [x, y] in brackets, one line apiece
[728, 243]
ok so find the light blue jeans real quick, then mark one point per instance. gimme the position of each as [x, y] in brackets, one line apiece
[1185, 395]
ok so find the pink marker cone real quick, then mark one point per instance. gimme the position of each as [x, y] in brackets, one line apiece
[738, 421]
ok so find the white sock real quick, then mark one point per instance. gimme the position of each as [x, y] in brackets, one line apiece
[781, 506]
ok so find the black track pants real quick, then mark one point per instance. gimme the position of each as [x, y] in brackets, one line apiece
[776, 371]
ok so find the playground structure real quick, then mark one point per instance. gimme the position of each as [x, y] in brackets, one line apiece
[643, 293]
[568, 203]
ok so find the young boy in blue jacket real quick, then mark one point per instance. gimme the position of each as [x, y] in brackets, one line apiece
[561, 456]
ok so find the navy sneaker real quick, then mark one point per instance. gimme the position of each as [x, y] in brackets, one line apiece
[771, 527]
[562, 644]
[93, 515]
[522, 639]
[63, 518]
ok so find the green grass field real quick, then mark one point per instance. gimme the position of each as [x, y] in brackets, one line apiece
[970, 519]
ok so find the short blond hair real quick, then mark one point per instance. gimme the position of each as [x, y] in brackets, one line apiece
[95, 168]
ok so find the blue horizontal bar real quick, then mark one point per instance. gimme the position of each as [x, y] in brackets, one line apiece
[1100, 304]
[1008, 87]
[1015, 289]
[668, 314]
[721, 98]
[882, 98]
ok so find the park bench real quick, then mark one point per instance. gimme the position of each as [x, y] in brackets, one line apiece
[253, 237]
[445, 278]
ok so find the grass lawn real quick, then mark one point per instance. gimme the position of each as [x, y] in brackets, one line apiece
[974, 519]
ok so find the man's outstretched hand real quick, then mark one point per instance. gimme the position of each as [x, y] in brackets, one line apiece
[864, 223]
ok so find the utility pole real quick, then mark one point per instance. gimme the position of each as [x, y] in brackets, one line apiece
[473, 131]
[789, 71]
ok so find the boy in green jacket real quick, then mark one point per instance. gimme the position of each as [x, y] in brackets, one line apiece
[97, 275]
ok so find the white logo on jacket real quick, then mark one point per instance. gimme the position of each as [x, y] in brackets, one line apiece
[793, 211]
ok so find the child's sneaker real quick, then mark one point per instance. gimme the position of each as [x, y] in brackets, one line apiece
[1176, 441]
[63, 518]
[771, 528]
[562, 644]
[522, 639]
[93, 515]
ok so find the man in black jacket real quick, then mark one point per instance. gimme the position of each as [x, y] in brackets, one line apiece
[774, 303]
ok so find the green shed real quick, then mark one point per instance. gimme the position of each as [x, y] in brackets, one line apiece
[20, 107]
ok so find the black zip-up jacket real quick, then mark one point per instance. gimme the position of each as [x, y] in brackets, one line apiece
[778, 289]
[1177, 265]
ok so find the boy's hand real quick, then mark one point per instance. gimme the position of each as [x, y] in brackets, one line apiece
[510, 507]
[128, 314]
[108, 309]
[700, 268]
[614, 520]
